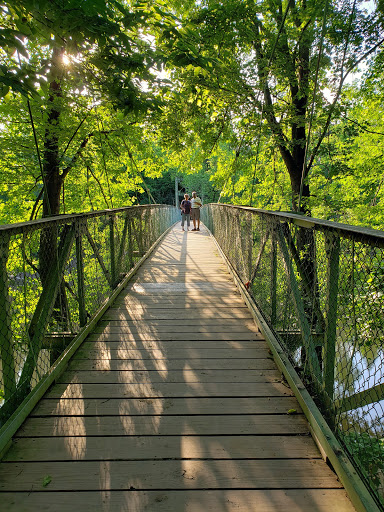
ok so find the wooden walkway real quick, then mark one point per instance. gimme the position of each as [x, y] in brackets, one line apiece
[174, 404]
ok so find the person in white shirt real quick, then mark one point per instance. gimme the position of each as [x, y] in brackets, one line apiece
[195, 211]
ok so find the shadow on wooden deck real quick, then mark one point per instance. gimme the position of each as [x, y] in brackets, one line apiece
[172, 404]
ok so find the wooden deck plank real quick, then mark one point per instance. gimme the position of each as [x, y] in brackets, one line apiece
[189, 376]
[186, 327]
[161, 447]
[168, 474]
[238, 311]
[191, 263]
[169, 345]
[177, 301]
[179, 353]
[167, 335]
[208, 289]
[168, 390]
[176, 325]
[133, 292]
[172, 364]
[154, 301]
[182, 292]
[172, 404]
[164, 406]
[151, 276]
[166, 314]
[297, 500]
[169, 269]
[213, 425]
[172, 271]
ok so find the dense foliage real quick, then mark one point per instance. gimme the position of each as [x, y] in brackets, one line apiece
[105, 104]
[277, 104]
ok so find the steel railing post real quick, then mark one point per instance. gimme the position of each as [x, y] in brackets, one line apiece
[6, 345]
[80, 229]
[274, 279]
[332, 248]
[112, 249]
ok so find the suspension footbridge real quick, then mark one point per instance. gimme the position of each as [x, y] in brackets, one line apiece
[170, 396]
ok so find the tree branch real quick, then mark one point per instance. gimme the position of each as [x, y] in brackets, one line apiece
[330, 113]
[219, 134]
[79, 152]
[100, 185]
[35, 206]
[150, 196]
[73, 136]
[360, 126]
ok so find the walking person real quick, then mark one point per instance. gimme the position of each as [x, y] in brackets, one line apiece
[196, 204]
[185, 207]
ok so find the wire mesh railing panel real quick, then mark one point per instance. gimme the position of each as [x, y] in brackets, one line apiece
[54, 276]
[94, 257]
[359, 389]
[320, 287]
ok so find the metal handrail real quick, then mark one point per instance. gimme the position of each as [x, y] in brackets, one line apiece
[19, 227]
[371, 235]
[319, 286]
[55, 274]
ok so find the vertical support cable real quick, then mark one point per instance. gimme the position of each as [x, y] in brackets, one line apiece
[6, 346]
[130, 242]
[112, 249]
[273, 279]
[332, 247]
[313, 361]
[80, 273]
[121, 258]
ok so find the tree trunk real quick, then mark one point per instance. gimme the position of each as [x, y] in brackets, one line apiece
[51, 158]
[51, 167]
[293, 152]
[53, 182]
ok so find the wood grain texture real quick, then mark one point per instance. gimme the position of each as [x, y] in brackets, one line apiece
[163, 406]
[169, 389]
[172, 364]
[182, 314]
[245, 500]
[174, 376]
[89, 352]
[150, 334]
[177, 300]
[164, 425]
[172, 404]
[168, 474]
[172, 348]
[161, 447]
[170, 345]
[184, 326]
[154, 301]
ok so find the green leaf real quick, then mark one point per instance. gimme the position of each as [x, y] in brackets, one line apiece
[4, 89]
[47, 480]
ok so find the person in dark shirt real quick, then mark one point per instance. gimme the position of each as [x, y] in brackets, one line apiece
[185, 207]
